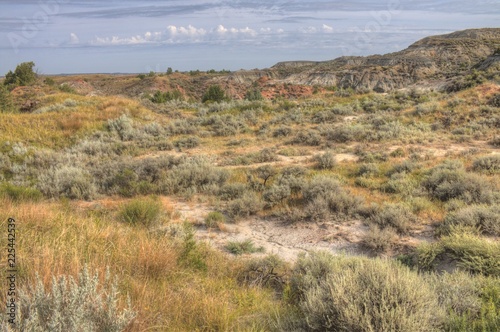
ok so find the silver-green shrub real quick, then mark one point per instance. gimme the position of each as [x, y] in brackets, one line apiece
[67, 181]
[361, 294]
[70, 305]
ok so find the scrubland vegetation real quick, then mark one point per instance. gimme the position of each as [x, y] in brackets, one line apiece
[98, 249]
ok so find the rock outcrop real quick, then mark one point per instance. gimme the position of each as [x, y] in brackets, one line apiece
[428, 62]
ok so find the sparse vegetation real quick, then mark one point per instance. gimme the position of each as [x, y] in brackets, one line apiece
[175, 194]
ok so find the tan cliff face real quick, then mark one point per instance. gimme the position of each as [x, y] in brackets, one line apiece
[428, 62]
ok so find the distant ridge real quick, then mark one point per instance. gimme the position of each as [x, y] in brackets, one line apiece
[432, 62]
[444, 62]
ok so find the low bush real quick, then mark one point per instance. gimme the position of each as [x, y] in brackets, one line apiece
[231, 191]
[484, 217]
[397, 216]
[465, 250]
[265, 272]
[123, 127]
[488, 318]
[342, 134]
[308, 137]
[445, 184]
[458, 292]
[488, 164]
[495, 141]
[72, 305]
[142, 211]
[368, 170]
[245, 206]
[242, 247]
[276, 194]
[379, 240]
[192, 175]
[427, 255]
[187, 142]
[360, 294]
[406, 166]
[213, 219]
[325, 160]
[324, 197]
[67, 181]
[266, 156]
[282, 131]
[400, 183]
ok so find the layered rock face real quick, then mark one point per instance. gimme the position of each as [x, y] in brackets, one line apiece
[428, 62]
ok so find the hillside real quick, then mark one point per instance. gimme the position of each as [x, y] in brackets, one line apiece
[430, 62]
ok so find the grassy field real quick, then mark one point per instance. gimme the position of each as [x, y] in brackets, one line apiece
[405, 183]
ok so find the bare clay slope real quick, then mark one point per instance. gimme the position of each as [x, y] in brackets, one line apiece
[428, 62]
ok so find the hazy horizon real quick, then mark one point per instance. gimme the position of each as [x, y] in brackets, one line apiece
[65, 36]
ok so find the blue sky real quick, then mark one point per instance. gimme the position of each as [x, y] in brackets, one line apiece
[77, 36]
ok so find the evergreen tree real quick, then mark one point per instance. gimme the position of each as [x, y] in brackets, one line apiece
[22, 76]
[215, 94]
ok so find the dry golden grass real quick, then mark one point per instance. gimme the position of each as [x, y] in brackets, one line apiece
[54, 239]
[63, 128]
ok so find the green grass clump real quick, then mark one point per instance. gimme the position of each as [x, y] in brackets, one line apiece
[141, 211]
[465, 249]
[473, 253]
[18, 193]
[243, 247]
[214, 218]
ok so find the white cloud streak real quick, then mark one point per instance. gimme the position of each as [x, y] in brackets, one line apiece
[191, 34]
[73, 39]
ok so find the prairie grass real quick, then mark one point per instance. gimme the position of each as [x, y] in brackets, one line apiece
[55, 239]
[47, 130]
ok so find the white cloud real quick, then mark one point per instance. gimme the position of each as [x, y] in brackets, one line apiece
[115, 40]
[220, 30]
[73, 39]
[327, 28]
[181, 34]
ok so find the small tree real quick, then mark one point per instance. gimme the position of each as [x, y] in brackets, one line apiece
[215, 94]
[22, 76]
[253, 94]
[169, 71]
